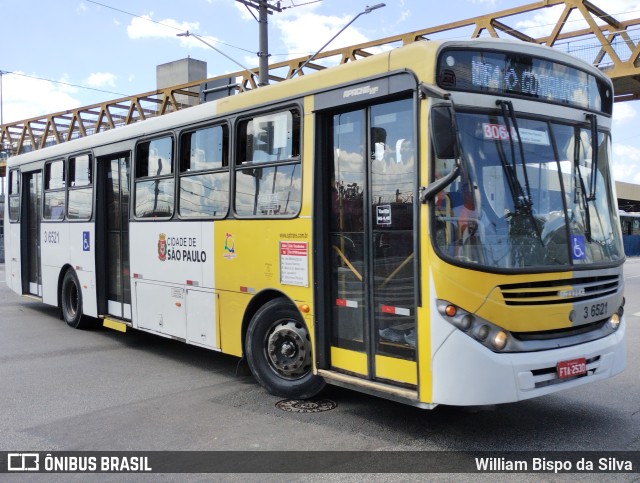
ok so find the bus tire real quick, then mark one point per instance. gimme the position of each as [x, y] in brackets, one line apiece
[278, 350]
[71, 301]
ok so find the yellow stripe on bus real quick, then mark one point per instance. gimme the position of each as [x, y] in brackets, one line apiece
[394, 369]
[348, 360]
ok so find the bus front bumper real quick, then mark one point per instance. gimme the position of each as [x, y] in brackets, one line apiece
[465, 373]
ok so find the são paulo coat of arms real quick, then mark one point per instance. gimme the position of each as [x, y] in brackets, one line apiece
[162, 247]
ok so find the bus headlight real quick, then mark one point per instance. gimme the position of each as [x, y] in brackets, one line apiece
[499, 340]
[614, 321]
[466, 322]
[486, 333]
[482, 332]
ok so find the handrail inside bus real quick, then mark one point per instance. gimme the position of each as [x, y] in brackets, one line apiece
[347, 262]
[396, 271]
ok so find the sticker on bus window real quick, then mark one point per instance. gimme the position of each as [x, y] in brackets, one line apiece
[528, 136]
[578, 247]
[294, 263]
[383, 214]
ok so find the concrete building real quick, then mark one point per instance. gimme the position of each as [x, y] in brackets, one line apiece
[628, 196]
[181, 72]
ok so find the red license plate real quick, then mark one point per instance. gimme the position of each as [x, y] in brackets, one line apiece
[573, 368]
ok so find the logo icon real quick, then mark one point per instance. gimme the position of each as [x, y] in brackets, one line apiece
[162, 247]
[229, 247]
[23, 462]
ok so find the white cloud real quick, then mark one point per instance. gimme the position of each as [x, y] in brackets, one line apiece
[626, 163]
[65, 85]
[146, 28]
[305, 32]
[81, 8]
[623, 112]
[25, 97]
[102, 79]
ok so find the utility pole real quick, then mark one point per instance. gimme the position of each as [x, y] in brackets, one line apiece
[264, 9]
[1, 114]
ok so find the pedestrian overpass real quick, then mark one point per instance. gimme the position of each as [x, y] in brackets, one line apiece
[608, 40]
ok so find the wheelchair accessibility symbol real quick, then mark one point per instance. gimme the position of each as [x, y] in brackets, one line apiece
[578, 247]
[86, 241]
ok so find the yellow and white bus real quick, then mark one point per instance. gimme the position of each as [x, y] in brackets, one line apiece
[435, 224]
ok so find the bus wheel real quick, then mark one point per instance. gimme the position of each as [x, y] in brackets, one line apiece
[71, 301]
[278, 350]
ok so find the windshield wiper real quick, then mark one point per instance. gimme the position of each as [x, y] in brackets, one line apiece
[584, 198]
[594, 157]
[585, 207]
[521, 198]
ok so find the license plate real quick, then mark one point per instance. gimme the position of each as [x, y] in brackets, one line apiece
[572, 368]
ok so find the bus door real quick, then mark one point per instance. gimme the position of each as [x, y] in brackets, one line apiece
[30, 233]
[113, 235]
[369, 175]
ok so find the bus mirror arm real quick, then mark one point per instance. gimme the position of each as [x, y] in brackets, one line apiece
[427, 90]
[427, 193]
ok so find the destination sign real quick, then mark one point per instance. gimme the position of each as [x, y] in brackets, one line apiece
[516, 74]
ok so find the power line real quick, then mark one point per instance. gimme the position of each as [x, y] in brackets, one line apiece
[65, 83]
[148, 19]
[301, 4]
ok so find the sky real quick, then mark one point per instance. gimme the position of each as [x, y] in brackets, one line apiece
[63, 54]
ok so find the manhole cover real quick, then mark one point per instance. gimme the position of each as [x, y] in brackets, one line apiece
[306, 406]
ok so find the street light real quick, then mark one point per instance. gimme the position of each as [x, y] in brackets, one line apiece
[191, 34]
[366, 10]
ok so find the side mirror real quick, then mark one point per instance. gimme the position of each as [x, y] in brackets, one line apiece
[445, 145]
[443, 132]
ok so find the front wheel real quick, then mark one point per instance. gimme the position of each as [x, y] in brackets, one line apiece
[278, 350]
[71, 302]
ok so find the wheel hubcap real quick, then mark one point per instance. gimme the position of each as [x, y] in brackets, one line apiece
[289, 349]
[72, 300]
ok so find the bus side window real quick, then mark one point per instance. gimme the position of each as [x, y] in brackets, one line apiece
[268, 168]
[154, 178]
[204, 173]
[54, 191]
[80, 201]
[14, 195]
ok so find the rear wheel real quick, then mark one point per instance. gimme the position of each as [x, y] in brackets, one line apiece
[71, 302]
[278, 350]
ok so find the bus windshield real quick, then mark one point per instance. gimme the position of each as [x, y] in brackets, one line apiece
[531, 194]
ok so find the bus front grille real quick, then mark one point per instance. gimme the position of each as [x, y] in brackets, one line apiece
[560, 291]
